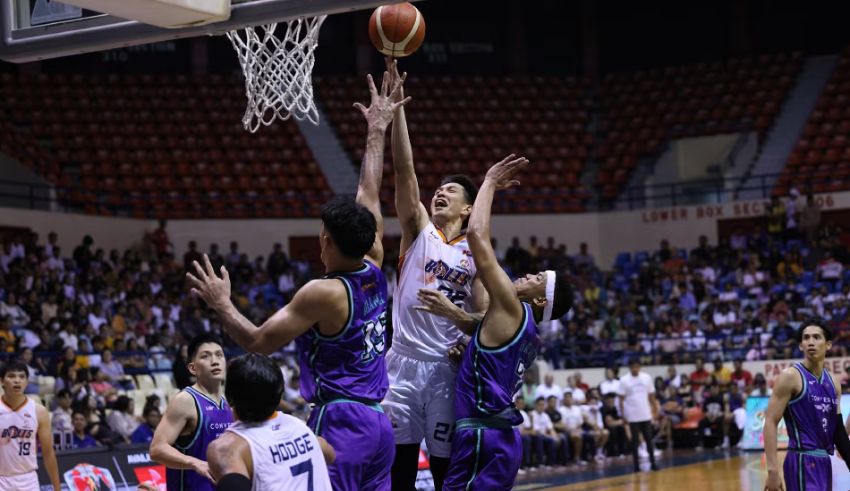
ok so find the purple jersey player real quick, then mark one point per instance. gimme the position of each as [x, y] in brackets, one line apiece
[339, 321]
[487, 448]
[194, 418]
[806, 396]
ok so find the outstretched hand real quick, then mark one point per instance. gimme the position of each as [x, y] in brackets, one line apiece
[206, 284]
[502, 175]
[392, 76]
[381, 109]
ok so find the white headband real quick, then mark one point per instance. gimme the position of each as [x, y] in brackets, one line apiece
[550, 296]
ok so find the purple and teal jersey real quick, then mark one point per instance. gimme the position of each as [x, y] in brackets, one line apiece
[810, 417]
[350, 364]
[488, 378]
[213, 419]
[810, 420]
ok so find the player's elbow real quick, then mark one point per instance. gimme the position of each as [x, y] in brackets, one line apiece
[157, 452]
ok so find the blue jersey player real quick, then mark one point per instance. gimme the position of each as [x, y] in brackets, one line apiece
[487, 448]
[806, 396]
[194, 418]
[338, 320]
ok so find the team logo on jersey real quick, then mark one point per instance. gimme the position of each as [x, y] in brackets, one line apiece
[437, 269]
[13, 432]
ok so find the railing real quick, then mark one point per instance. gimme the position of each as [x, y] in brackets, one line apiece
[708, 191]
[18, 194]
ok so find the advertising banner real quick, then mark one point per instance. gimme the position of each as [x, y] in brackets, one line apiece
[753, 438]
[121, 469]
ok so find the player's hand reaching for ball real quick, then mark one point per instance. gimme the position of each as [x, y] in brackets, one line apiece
[206, 284]
[503, 174]
[393, 76]
[381, 110]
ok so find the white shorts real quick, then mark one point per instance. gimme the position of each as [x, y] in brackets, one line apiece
[20, 482]
[420, 402]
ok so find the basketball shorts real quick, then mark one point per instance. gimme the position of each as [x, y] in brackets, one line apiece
[485, 459]
[807, 472]
[420, 402]
[362, 438]
[20, 482]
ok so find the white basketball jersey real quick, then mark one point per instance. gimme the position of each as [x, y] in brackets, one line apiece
[286, 454]
[18, 432]
[431, 262]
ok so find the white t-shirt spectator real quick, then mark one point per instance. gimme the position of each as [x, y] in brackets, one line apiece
[830, 269]
[69, 340]
[96, 321]
[55, 264]
[720, 319]
[578, 395]
[541, 422]
[571, 416]
[635, 393]
[609, 387]
[17, 316]
[122, 423]
[694, 341]
[62, 420]
[593, 414]
[708, 274]
[526, 420]
[286, 283]
[544, 392]
[731, 296]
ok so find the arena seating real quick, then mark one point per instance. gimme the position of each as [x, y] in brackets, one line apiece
[464, 124]
[644, 109]
[821, 159]
[158, 146]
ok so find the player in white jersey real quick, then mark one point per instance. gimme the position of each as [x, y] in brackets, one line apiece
[21, 421]
[434, 258]
[265, 450]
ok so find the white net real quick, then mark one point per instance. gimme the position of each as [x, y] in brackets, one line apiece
[278, 71]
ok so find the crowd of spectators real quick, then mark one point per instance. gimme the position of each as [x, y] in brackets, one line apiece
[93, 319]
[743, 298]
[577, 423]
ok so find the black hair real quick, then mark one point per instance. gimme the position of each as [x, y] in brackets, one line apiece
[814, 321]
[539, 399]
[63, 393]
[14, 366]
[149, 409]
[563, 300]
[351, 226]
[470, 190]
[122, 404]
[254, 387]
[199, 340]
[634, 361]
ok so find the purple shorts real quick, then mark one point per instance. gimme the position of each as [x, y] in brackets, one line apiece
[486, 459]
[362, 437]
[807, 472]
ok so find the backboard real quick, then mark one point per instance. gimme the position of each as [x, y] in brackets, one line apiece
[33, 30]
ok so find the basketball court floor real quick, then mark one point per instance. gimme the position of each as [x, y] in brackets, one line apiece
[682, 470]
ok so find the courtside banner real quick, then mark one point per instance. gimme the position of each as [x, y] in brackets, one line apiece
[753, 438]
[100, 469]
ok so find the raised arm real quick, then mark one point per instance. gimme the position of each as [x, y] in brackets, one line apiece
[378, 115]
[505, 310]
[786, 383]
[317, 302]
[412, 214]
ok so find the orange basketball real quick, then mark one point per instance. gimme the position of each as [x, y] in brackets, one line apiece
[397, 30]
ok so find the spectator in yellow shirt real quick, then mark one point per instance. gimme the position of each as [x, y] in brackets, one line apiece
[721, 373]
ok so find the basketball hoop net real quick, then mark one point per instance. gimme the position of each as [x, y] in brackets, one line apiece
[278, 71]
